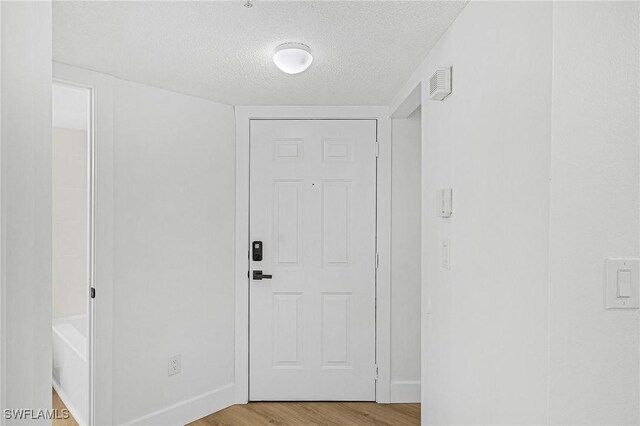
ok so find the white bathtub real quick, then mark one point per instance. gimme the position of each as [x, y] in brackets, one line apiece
[70, 367]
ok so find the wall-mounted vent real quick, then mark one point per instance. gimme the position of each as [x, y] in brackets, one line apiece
[440, 84]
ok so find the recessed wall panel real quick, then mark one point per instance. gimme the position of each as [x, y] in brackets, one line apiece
[336, 199]
[286, 329]
[286, 215]
[335, 329]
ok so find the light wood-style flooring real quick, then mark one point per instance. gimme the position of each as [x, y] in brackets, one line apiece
[298, 414]
[59, 405]
[314, 413]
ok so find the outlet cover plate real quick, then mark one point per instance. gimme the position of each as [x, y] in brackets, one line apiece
[174, 365]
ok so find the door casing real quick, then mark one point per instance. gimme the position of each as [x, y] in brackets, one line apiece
[90, 244]
[244, 114]
[102, 86]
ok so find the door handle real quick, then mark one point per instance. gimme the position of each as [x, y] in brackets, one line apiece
[258, 275]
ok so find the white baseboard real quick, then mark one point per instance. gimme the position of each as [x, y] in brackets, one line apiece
[190, 410]
[405, 392]
[69, 404]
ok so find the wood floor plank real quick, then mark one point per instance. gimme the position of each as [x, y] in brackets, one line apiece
[314, 414]
[59, 406]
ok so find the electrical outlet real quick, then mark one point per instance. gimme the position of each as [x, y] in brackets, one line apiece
[174, 366]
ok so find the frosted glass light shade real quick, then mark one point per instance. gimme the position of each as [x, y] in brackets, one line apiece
[292, 58]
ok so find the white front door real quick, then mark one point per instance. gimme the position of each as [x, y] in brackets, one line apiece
[313, 207]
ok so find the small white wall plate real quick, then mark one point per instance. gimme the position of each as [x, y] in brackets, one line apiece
[444, 199]
[617, 270]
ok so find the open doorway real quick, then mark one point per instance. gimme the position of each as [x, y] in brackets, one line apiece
[72, 250]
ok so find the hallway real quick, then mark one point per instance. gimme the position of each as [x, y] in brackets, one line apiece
[319, 212]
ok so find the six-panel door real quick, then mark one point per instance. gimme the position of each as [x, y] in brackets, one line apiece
[313, 205]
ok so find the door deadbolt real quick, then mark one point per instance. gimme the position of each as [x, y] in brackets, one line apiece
[256, 251]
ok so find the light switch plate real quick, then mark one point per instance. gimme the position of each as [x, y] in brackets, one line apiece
[621, 284]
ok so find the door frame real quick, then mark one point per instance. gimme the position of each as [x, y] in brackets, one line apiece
[244, 114]
[102, 87]
[90, 243]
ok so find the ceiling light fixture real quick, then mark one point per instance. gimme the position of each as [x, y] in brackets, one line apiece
[292, 58]
[248, 4]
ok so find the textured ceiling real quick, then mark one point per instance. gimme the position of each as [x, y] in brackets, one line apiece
[363, 51]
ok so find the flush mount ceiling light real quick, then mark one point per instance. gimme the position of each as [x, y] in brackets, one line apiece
[292, 58]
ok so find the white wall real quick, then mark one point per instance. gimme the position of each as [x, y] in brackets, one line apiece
[69, 222]
[485, 340]
[405, 258]
[174, 264]
[539, 141]
[26, 204]
[595, 211]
